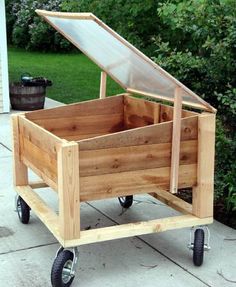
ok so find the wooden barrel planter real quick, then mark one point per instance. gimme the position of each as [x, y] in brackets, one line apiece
[27, 98]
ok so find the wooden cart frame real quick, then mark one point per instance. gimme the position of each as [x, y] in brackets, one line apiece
[59, 163]
[115, 147]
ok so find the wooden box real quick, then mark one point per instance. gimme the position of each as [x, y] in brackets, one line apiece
[114, 147]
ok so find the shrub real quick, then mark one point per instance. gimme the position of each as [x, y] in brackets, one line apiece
[199, 48]
[225, 168]
[29, 31]
[135, 20]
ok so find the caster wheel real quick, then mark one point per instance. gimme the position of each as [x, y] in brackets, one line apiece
[198, 248]
[61, 274]
[23, 210]
[126, 201]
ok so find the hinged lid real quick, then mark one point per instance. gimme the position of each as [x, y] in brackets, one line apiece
[129, 67]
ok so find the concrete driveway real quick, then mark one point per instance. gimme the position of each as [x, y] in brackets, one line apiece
[27, 251]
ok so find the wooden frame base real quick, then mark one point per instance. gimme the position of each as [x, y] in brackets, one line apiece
[51, 219]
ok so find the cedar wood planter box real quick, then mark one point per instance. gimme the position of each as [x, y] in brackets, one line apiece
[113, 147]
[116, 146]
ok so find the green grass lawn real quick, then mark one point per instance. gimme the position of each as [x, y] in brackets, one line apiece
[75, 78]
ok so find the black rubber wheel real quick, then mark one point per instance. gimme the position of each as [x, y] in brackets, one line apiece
[23, 210]
[126, 201]
[198, 248]
[61, 268]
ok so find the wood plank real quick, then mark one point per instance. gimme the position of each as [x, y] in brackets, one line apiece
[103, 85]
[172, 201]
[37, 184]
[69, 191]
[105, 106]
[199, 106]
[70, 15]
[115, 160]
[134, 182]
[166, 113]
[80, 125]
[20, 172]
[154, 134]
[139, 112]
[40, 137]
[137, 228]
[203, 193]
[40, 208]
[40, 159]
[41, 174]
[176, 133]
[83, 136]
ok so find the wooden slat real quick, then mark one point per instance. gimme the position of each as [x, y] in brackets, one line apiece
[204, 106]
[80, 125]
[134, 182]
[81, 16]
[114, 160]
[172, 201]
[40, 137]
[83, 136]
[139, 112]
[103, 85]
[39, 160]
[41, 174]
[176, 134]
[203, 193]
[20, 173]
[154, 134]
[40, 208]
[166, 113]
[69, 191]
[37, 184]
[137, 228]
[87, 108]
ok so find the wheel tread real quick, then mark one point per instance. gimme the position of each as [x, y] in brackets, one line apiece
[57, 267]
[198, 248]
[127, 202]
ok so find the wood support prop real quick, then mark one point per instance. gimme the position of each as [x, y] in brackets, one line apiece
[203, 193]
[176, 133]
[172, 201]
[20, 171]
[103, 85]
[69, 190]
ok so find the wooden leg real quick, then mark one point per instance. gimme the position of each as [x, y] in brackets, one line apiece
[203, 193]
[20, 172]
[68, 191]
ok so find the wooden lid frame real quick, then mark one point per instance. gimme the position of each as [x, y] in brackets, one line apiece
[196, 103]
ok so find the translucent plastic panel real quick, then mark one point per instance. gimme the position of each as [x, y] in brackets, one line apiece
[118, 60]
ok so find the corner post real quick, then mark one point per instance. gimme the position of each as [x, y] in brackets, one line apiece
[103, 85]
[176, 134]
[203, 193]
[69, 191]
[20, 171]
